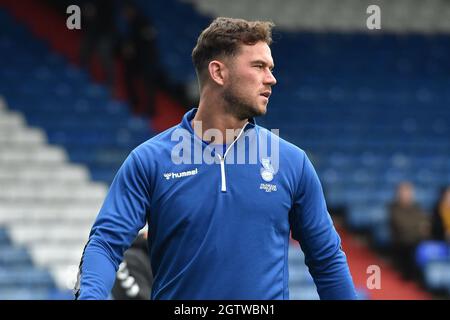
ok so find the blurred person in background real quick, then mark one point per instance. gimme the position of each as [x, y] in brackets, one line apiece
[409, 226]
[134, 278]
[140, 57]
[219, 230]
[98, 25]
[441, 216]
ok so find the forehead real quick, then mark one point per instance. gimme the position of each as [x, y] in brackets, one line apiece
[406, 187]
[258, 51]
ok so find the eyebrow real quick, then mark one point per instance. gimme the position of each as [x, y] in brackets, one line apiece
[272, 66]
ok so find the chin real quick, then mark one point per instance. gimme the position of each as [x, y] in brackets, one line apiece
[262, 110]
[256, 112]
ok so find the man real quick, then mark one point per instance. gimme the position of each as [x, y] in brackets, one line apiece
[409, 226]
[140, 59]
[99, 36]
[219, 229]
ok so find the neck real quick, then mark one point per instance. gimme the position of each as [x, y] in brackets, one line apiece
[211, 114]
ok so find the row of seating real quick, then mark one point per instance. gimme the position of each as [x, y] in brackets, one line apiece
[301, 284]
[19, 278]
[58, 133]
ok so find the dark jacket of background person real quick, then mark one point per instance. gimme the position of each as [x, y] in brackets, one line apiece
[140, 56]
[98, 25]
[409, 223]
[134, 278]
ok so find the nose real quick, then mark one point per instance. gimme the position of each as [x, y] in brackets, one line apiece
[270, 78]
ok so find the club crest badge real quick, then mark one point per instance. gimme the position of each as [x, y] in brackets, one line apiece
[267, 171]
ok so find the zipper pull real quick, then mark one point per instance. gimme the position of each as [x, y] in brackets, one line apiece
[222, 173]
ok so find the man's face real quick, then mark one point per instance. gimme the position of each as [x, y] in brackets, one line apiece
[446, 199]
[248, 86]
[406, 194]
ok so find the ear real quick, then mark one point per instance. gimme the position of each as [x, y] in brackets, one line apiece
[217, 71]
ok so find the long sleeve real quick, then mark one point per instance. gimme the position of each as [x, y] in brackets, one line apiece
[312, 226]
[121, 217]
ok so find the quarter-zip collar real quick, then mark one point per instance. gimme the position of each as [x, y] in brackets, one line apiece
[186, 124]
[189, 116]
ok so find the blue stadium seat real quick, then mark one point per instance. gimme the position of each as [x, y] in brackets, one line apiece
[437, 275]
[11, 256]
[4, 237]
[430, 251]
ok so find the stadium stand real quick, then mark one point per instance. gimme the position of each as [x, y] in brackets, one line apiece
[370, 109]
[48, 202]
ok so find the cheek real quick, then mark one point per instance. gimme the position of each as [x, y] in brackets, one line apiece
[239, 84]
[244, 84]
[250, 83]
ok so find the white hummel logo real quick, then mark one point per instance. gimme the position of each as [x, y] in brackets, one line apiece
[173, 175]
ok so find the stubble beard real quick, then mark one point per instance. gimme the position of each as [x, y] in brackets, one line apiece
[240, 107]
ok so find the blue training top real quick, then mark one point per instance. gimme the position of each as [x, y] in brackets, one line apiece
[218, 230]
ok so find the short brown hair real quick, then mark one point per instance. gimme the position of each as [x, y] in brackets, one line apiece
[224, 36]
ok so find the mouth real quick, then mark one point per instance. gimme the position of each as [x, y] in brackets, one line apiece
[266, 94]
